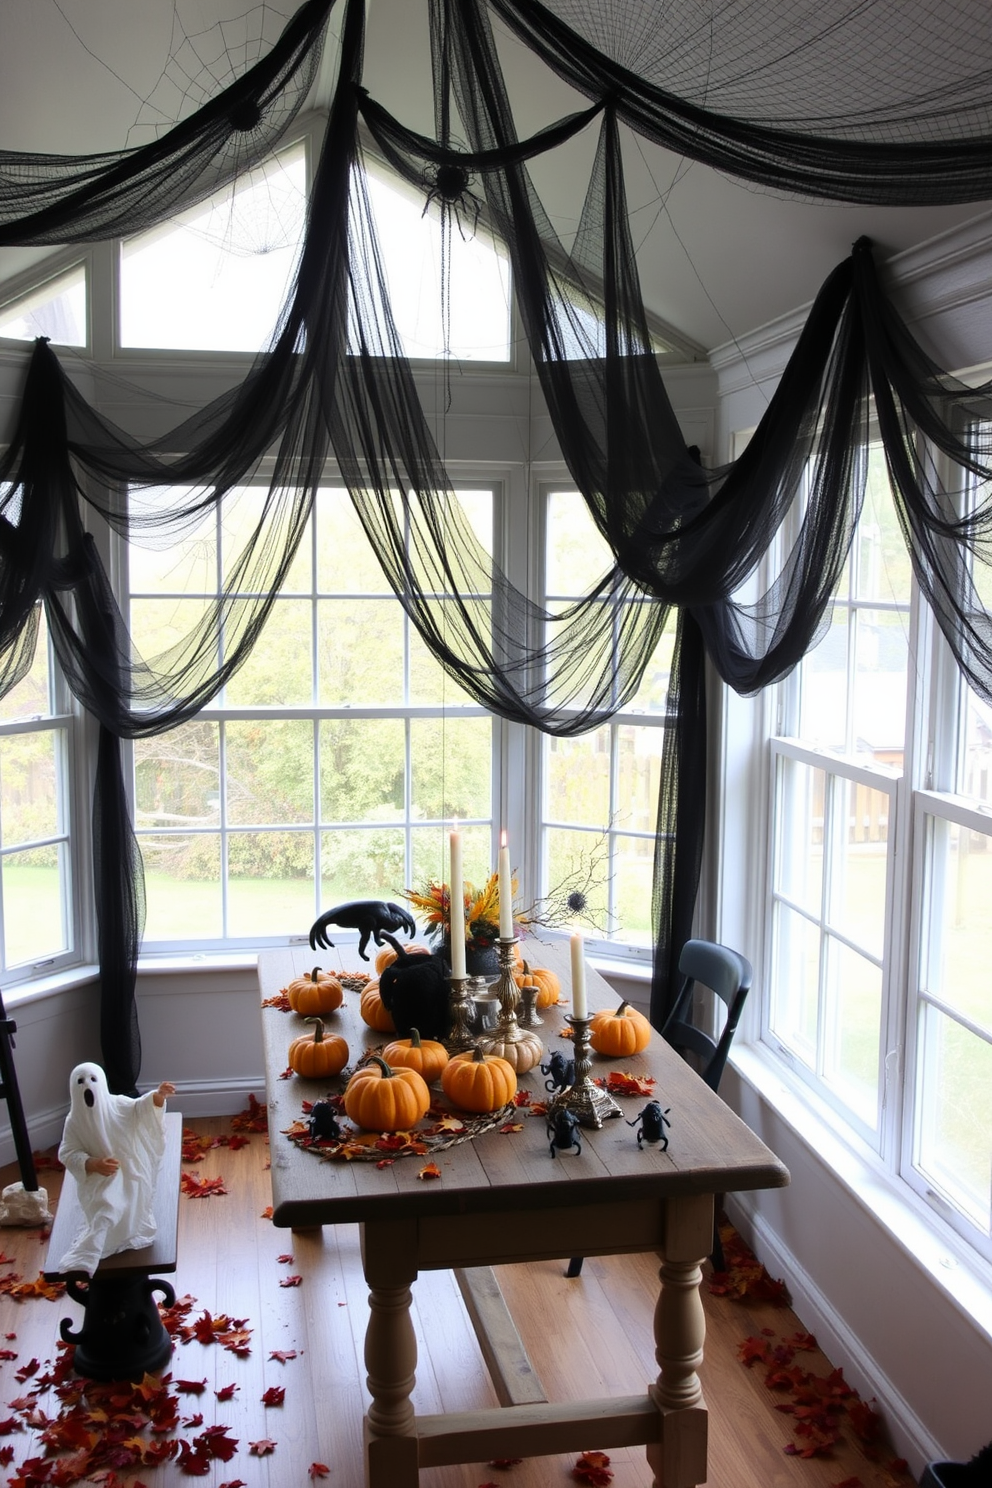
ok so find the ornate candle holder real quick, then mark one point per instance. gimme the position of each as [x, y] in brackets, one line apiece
[508, 1039]
[588, 1102]
[462, 1009]
[527, 1015]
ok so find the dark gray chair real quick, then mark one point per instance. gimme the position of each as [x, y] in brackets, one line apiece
[727, 974]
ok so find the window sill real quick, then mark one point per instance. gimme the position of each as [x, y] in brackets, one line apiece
[22, 994]
[953, 1266]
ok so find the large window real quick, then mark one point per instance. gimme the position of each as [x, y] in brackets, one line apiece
[331, 764]
[879, 930]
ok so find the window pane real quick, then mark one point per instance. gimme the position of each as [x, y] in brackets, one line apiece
[31, 698]
[823, 707]
[879, 702]
[216, 279]
[360, 651]
[451, 761]
[567, 855]
[448, 298]
[431, 854]
[362, 769]
[955, 1119]
[177, 777]
[859, 865]
[634, 882]
[34, 904]
[799, 823]
[346, 563]
[278, 670]
[182, 882]
[639, 776]
[795, 983]
[578, 779]
[578, 555]
[958, 932]
[652, 695]
[167, 558]
[270, 883]
[362, 863]
[853, 1008]
[29, 794]
[56, 310]
[269, 773]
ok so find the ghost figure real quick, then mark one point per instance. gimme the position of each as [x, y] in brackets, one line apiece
[112, 1145]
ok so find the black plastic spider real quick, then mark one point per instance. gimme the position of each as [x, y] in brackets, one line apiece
[448, 185]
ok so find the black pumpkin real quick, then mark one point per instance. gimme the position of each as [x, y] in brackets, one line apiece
[415, 991]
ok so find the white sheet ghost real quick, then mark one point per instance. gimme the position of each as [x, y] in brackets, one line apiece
[112, 1145]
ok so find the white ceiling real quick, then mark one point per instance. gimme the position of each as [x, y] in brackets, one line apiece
[717, 258]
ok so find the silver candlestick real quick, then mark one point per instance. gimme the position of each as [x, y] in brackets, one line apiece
[588, 1102]
[462, 1007]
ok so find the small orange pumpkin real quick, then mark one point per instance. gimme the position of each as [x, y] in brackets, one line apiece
[546, 982]
[315, 1057]
[621, 1033]
[316, 993]
[426, 1056]
[478, 1082]
[387, 955]
[380, 1098]
[374, 1010]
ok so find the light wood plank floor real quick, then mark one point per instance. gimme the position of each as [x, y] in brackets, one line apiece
[587, 1336]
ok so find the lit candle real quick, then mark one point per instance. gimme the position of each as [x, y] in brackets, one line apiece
[456, 907]
[505, 891]
[579, 1008]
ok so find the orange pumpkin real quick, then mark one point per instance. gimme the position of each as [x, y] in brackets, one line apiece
[316, 993]
[380, 1098]
[478, 1082]
[316, 1057]
[621, 1033]
[387, 955]
[374, 1011]
[426, 1056]
[546, 982]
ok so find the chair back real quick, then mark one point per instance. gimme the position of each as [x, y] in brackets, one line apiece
[728, 975]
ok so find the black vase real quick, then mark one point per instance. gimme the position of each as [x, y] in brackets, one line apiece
[479, 961]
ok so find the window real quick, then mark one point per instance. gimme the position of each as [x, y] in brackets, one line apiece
[56, 309]
[600, 790]
[37, 931]
[215, 278]
[334, 760]
[877, 927]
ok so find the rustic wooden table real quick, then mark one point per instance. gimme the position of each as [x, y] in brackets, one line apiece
[503, 1199]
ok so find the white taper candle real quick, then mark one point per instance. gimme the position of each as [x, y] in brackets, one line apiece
[505, 891]
[579, 1006]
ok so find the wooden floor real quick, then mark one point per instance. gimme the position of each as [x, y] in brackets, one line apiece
[588, 1336]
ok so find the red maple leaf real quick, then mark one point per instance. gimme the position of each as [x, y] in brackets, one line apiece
[285, 1260]
[190, 1387]
[267, 1212]
[8, 1353]
[867, 1422]
[511, 1126]
[594, 1468]
[234, 1483]
[274, 1395]
[195, 1187]
[319, 1470]
[27, 1370]
[254, 1118]
[619, 1082]
[190, 1423]
[216, 1441]
[751, 1349]
[282, 1355]
[386, 1162]
[262, 1447]
[291, 1281]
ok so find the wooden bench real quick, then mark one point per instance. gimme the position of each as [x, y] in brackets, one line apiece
[122, 1335]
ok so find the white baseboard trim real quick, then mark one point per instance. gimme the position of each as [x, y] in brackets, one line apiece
[192, 1098]
[835, 1336]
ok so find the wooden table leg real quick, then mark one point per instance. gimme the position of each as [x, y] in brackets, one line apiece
[679, 1458]
[389, 1258]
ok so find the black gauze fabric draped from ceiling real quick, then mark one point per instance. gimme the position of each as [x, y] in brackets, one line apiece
[334, 385]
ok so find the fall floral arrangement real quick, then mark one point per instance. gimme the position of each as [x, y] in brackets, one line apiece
[481, 910]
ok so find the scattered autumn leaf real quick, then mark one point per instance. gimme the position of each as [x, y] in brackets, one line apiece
[621, 1082]
[227, 1392]
[594, 1468]
[267, 1212]
[190, 1387]
[274, 1395]
[285, 1260]
[291, 1281]
[429, 1170]
[511, 1126]
[282, 1355]
[319, 1470]
[195, 1187]
[255, 1117]
[262, 1447]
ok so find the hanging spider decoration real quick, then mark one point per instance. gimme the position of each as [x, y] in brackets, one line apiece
[447, 185]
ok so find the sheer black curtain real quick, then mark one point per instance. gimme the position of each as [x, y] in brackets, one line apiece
[334, 384]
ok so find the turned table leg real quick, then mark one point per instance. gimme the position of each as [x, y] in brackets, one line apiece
[391, 1453]
[679, 1458]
